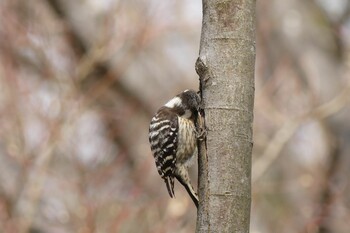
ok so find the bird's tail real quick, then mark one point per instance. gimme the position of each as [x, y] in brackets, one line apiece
[169, 181]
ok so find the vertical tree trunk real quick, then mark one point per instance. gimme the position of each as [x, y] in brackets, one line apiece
[226, 69]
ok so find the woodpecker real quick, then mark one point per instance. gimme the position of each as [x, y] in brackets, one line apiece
[173, 139]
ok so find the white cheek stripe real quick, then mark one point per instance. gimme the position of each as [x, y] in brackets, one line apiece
[176, 101]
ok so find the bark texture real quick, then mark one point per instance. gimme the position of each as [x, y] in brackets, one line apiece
[226, 69]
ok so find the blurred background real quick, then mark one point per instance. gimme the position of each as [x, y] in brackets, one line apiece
[80, 81]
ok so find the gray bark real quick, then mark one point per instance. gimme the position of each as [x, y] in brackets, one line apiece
[226, 69]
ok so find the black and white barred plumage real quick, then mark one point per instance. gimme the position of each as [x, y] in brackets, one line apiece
[172, 135]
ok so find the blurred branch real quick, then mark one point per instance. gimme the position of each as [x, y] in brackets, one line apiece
[288, 129]
[334, 25]
[77, 44]
[99, 81]
[35, 179]
[274, 148]
[332, 106]
[101, 68]
[318, 224]
[327, 194]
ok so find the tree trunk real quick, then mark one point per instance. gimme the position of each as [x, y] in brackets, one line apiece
[226, 69]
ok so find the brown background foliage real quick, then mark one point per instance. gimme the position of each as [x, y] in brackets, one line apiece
[81, 79]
